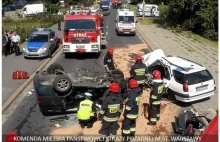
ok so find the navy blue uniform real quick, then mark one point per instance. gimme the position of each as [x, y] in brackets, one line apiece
[131, 112]
[109, 63]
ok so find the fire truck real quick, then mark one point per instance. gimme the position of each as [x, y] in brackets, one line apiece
[83, 32]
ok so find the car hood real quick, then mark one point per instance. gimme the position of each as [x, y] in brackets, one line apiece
[35, 45]
[151, 57]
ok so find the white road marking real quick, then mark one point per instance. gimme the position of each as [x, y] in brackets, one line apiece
[106, 33]
[107, 26]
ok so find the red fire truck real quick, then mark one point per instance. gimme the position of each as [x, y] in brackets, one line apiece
[82, 32]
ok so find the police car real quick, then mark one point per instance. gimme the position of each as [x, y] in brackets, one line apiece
[185, 80]
[41, 43]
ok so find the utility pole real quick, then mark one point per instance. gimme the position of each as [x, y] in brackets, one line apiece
[143, 3]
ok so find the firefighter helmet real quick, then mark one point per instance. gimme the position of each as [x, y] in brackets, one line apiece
[110, 51]
[10, 137]
[133, 83]
[138, 58]
[114, 87]
[156, 74]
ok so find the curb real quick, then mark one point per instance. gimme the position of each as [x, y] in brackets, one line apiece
[8, 103]
[203, 120]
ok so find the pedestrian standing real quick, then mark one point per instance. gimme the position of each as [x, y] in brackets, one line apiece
[131, 111]
[155, 97]
[5, 43]
[15, 43]
[110, 113]
[139, 71]
[11, 50]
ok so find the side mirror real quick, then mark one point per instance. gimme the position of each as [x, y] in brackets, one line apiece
[51, 39]
[59, 26]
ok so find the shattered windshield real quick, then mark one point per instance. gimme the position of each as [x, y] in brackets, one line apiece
[126, 19]
[81, 25]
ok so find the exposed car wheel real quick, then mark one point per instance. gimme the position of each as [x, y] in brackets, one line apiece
[62, 85]
[171, 97]
[117, 75]
[53, 67]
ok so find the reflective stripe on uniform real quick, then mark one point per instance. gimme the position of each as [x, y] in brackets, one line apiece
[153, 119]
[132, 116]
[156, 102]
[133, 129]
[113, 106]
[110, 119]
[126, 131]
[154, 97]
[105, 65]
[141, 81]
[128, 108]
[158, 115]
[102, 112]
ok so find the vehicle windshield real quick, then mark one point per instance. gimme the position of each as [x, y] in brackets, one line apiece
[199, 77]
[126, 19]
[105, 3]
[38, 38]
[82, 25]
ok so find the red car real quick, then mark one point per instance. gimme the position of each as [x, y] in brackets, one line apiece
[211, 132]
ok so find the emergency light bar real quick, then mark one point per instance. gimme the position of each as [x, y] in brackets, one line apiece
[79, 12]
[42, 29]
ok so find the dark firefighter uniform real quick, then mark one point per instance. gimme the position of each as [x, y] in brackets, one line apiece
[108, 61]
[86, 113]
[131, 113]
[155, 97]
[139, 71]
[111, 110]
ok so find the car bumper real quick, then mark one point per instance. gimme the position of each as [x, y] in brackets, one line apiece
[83, 48]
[38, 54]
[195, 98]
[126, 32]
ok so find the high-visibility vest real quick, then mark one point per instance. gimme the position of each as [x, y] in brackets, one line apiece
[85, 110]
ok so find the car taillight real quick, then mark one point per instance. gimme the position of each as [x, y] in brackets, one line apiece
[39, 98]
[185, 87]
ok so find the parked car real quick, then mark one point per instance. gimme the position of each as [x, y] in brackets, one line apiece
[41, 43]
[60, 92]
[32, 9]
[185, 80]
[9, 8]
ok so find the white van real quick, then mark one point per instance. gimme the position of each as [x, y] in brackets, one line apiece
[149, 10]
[32, 9]
[125, 22]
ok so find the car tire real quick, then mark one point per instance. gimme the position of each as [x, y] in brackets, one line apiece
[117, 75]
[52, 69]
[62, 85]
[49, 54]
[171, 97]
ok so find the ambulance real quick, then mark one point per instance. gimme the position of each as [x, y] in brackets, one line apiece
[125, 22]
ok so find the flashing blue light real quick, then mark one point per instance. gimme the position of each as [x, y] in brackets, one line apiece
[42, 29]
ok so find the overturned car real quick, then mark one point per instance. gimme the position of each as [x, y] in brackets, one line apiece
[61, 92]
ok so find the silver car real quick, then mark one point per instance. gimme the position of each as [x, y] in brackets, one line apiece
[41, 43]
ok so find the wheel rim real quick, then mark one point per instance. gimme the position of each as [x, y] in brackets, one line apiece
[63, 84]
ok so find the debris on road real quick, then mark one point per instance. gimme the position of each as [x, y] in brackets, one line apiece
[58, 125]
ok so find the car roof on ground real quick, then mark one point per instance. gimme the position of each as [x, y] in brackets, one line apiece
[185, 66]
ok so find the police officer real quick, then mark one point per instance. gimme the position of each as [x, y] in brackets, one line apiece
[86, 112]
[131, 110]
[139, 71]
[108, 61]
[155, 97]
[110, 113]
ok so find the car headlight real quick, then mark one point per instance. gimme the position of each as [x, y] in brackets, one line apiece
[66, 46]
[44, 48]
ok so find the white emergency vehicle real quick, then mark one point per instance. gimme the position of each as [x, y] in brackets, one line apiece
[149, 10]
[125, 22]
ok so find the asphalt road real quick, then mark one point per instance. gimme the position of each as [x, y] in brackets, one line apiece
[11, 64]
[27, 119]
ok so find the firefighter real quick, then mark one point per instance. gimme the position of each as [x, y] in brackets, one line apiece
[108, 61]
[110, 113]
[139, 71]
[155, 97]
[131, 110]
[86, 112]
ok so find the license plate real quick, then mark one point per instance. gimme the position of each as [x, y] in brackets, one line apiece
[201, 88]
[80, 46]
[33, 53]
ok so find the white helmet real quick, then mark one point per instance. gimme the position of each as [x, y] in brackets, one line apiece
[88, 94]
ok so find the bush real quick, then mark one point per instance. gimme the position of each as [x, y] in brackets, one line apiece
[52, 8]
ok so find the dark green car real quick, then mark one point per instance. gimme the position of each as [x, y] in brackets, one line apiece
[58, 91]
